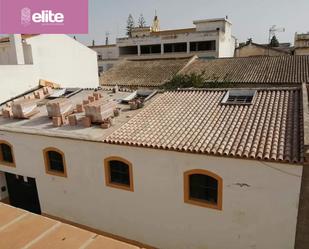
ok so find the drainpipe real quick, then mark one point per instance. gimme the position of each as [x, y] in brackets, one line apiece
[17, 47]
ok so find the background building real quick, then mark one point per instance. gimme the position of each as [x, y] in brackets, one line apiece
[250, 48]
[301, 44]
[210, 38]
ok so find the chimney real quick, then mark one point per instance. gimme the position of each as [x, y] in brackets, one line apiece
[17, 47]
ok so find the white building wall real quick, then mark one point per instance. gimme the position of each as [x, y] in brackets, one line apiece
[62, 59]
[261, 215]
[17, 79]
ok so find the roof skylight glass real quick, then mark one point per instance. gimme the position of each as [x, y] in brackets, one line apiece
[238, 97]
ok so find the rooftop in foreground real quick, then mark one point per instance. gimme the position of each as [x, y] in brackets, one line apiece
[41, 124]
[265, 125]
[249, 123]
[21, 229]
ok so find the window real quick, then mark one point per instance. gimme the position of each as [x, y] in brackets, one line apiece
[175, 47]
[203, 188]
[6, 154]
[118, 173]
[151, 49]
[55, 162]
[238, 97]
[129, 50]
[203, 46]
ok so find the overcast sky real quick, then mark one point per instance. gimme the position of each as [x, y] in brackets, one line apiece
[250, 18]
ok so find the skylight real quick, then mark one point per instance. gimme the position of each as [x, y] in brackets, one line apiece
[238, 97]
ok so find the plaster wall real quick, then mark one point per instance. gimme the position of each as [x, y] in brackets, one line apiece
[260, 199]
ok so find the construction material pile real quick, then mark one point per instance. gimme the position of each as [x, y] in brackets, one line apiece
[59, 107]
[100, 110]
[24, 108]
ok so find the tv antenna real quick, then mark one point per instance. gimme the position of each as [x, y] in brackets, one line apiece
[273, 30]
[107, 37]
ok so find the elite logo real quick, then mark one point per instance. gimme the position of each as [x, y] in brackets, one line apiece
[25, 16]
[44, 17]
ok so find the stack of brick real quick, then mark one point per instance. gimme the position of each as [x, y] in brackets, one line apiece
[24, 108]
[107, 123]
[72, 120]
[59, 107]
[136, 104]
[7, 112]
[100, 110]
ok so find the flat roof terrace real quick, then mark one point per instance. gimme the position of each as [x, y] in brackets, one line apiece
[41, 124]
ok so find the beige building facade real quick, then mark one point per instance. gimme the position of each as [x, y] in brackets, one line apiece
[210, 38]
[250, 49]
[301, 44]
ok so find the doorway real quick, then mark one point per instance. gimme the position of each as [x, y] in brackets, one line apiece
[23, 192]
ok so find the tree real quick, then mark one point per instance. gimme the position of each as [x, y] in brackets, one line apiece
[130, 25]
[274, 42]
[141, 21]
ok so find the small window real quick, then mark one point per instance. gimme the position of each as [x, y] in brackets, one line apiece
[203, 188]
[6, 154]
[239, 97]
[118, 173]
[55, 162]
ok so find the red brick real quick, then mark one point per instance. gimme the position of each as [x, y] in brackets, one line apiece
[57, 121]
[72, 120]
[86, 121]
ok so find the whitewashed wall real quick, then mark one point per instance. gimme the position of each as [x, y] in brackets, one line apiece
[17, 79]
[262, 215]
[62, 59]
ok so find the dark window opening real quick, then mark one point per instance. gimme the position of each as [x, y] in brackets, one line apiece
[175, 47]
[128, 50]
[203, 187]
[151, 49]
[55, 161]
[203, 46]
[6, 153]
[119, 172]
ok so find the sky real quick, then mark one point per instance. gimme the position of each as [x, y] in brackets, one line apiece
[250, 18]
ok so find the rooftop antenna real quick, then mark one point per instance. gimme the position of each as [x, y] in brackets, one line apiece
[272, 31]
[107, 37]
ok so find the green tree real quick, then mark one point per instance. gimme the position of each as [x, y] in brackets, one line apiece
[130, 25]
[141, 21]
[274, 42]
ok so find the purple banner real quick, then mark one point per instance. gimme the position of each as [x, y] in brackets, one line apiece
[43, 16]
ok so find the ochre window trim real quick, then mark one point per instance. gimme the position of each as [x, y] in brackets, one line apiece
[12, 152]
[107, 174]
[46, 161]
[202, 203]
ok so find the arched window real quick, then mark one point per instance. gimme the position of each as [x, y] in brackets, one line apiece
[6, 154]
[118, 173]
[55, 162]
[203, 188]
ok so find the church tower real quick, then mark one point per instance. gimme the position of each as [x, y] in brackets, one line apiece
[155, 24]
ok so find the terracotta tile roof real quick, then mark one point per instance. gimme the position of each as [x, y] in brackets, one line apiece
[152, 72]
[274, 69]
[195, 121]
[21, 229]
